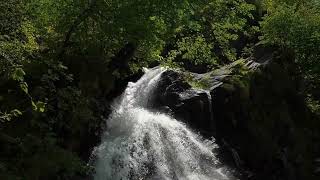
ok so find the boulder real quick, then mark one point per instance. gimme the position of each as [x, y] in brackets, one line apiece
[188, 104]
[254, 111]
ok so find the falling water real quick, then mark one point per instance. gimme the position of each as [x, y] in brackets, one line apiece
[143, 144]
[210, 107]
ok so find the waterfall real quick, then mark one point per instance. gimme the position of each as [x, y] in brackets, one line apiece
[141, 144]
[210, 109]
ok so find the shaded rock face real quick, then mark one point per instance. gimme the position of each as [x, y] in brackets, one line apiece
[255, 113]
[176, 96]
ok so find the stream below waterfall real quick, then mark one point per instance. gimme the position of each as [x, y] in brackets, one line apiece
[141, 143]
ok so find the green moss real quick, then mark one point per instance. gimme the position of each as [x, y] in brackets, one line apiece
[202, 83]
[239, 68]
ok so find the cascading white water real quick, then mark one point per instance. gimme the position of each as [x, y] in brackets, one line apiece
[140, 144]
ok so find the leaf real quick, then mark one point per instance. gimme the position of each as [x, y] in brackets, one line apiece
[61, 66]
[18, 74]
[41, 106]
[152, 18]
[16, 112]
[38, 106]
[24, 87]
[34, 106]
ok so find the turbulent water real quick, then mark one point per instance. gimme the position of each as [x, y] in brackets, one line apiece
[141, 144]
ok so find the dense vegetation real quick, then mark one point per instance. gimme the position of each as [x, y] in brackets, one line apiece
[62, 61]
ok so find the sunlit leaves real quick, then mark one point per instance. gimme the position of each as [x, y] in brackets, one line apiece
[16, 113]
[150, 26]
[295, 28]
[24, 87]
[38, 106]
[196, 49]
[30, 45]
[6, 117]
[18, 74]
[219, 23]
[11, 16]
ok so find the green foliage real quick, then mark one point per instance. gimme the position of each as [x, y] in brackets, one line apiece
[39, 149]
[38, 106]
[17, 44]
[9, 116]
[211, 31]
[102, 28]
[196, 49]
[295, 28]
[293, 25]
[47, 48]
[11, 17]
[18, 74]
[314, 105]
[31, 144]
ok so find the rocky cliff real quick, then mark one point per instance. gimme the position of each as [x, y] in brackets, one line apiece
[253, 109]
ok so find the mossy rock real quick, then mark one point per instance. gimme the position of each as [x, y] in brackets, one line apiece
[257, 110]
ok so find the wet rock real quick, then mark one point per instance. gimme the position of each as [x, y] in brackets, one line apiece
[254, 107]
[186, 103]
